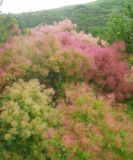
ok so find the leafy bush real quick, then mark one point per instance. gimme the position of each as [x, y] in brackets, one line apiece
[82, 127]
[12, 67]
[8, 27]
[89, 128]
[24, 110]
[120, 27]
[130, 60]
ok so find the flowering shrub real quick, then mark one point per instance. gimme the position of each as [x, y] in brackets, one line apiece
[89, 129]
[82, 127]
[110, 71]
[24, 109]
[12, 67]
[57, 55]
[67, 67]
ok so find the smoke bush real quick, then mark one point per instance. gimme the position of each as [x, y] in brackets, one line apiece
[110, 71]
[83, 127]
[49, 54]
[88, 125]
[24, 110]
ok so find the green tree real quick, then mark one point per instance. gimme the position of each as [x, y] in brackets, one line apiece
[7, 22]
[120, 27]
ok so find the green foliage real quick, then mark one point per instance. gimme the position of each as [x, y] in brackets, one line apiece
[90, 17]
[120, 28]
[23, 119]
[64, 68]
[130, 108]
[32, 129]
[6, 24]
[130, 60]
[83, 134]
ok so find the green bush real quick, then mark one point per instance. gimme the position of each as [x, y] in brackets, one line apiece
[8, 25]
[120, 27]
[89, 128]
[24, 111]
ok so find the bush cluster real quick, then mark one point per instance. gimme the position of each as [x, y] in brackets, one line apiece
[56, 88]
[25, 108]
[82, 127]
[58, 54]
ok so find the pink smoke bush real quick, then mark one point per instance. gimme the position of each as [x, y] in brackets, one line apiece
[87, 124]
[108, 70]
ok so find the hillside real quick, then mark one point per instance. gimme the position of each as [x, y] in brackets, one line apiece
[91, 17]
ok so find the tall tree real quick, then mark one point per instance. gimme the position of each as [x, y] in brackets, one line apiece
[7, 24]
[120, 27]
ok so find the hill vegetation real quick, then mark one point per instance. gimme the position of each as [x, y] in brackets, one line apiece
[90, 18]
[65, 94]
[111, 20]
[62, 95]
[8, 27]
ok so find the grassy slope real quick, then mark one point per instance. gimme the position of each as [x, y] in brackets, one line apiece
[90, 17]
